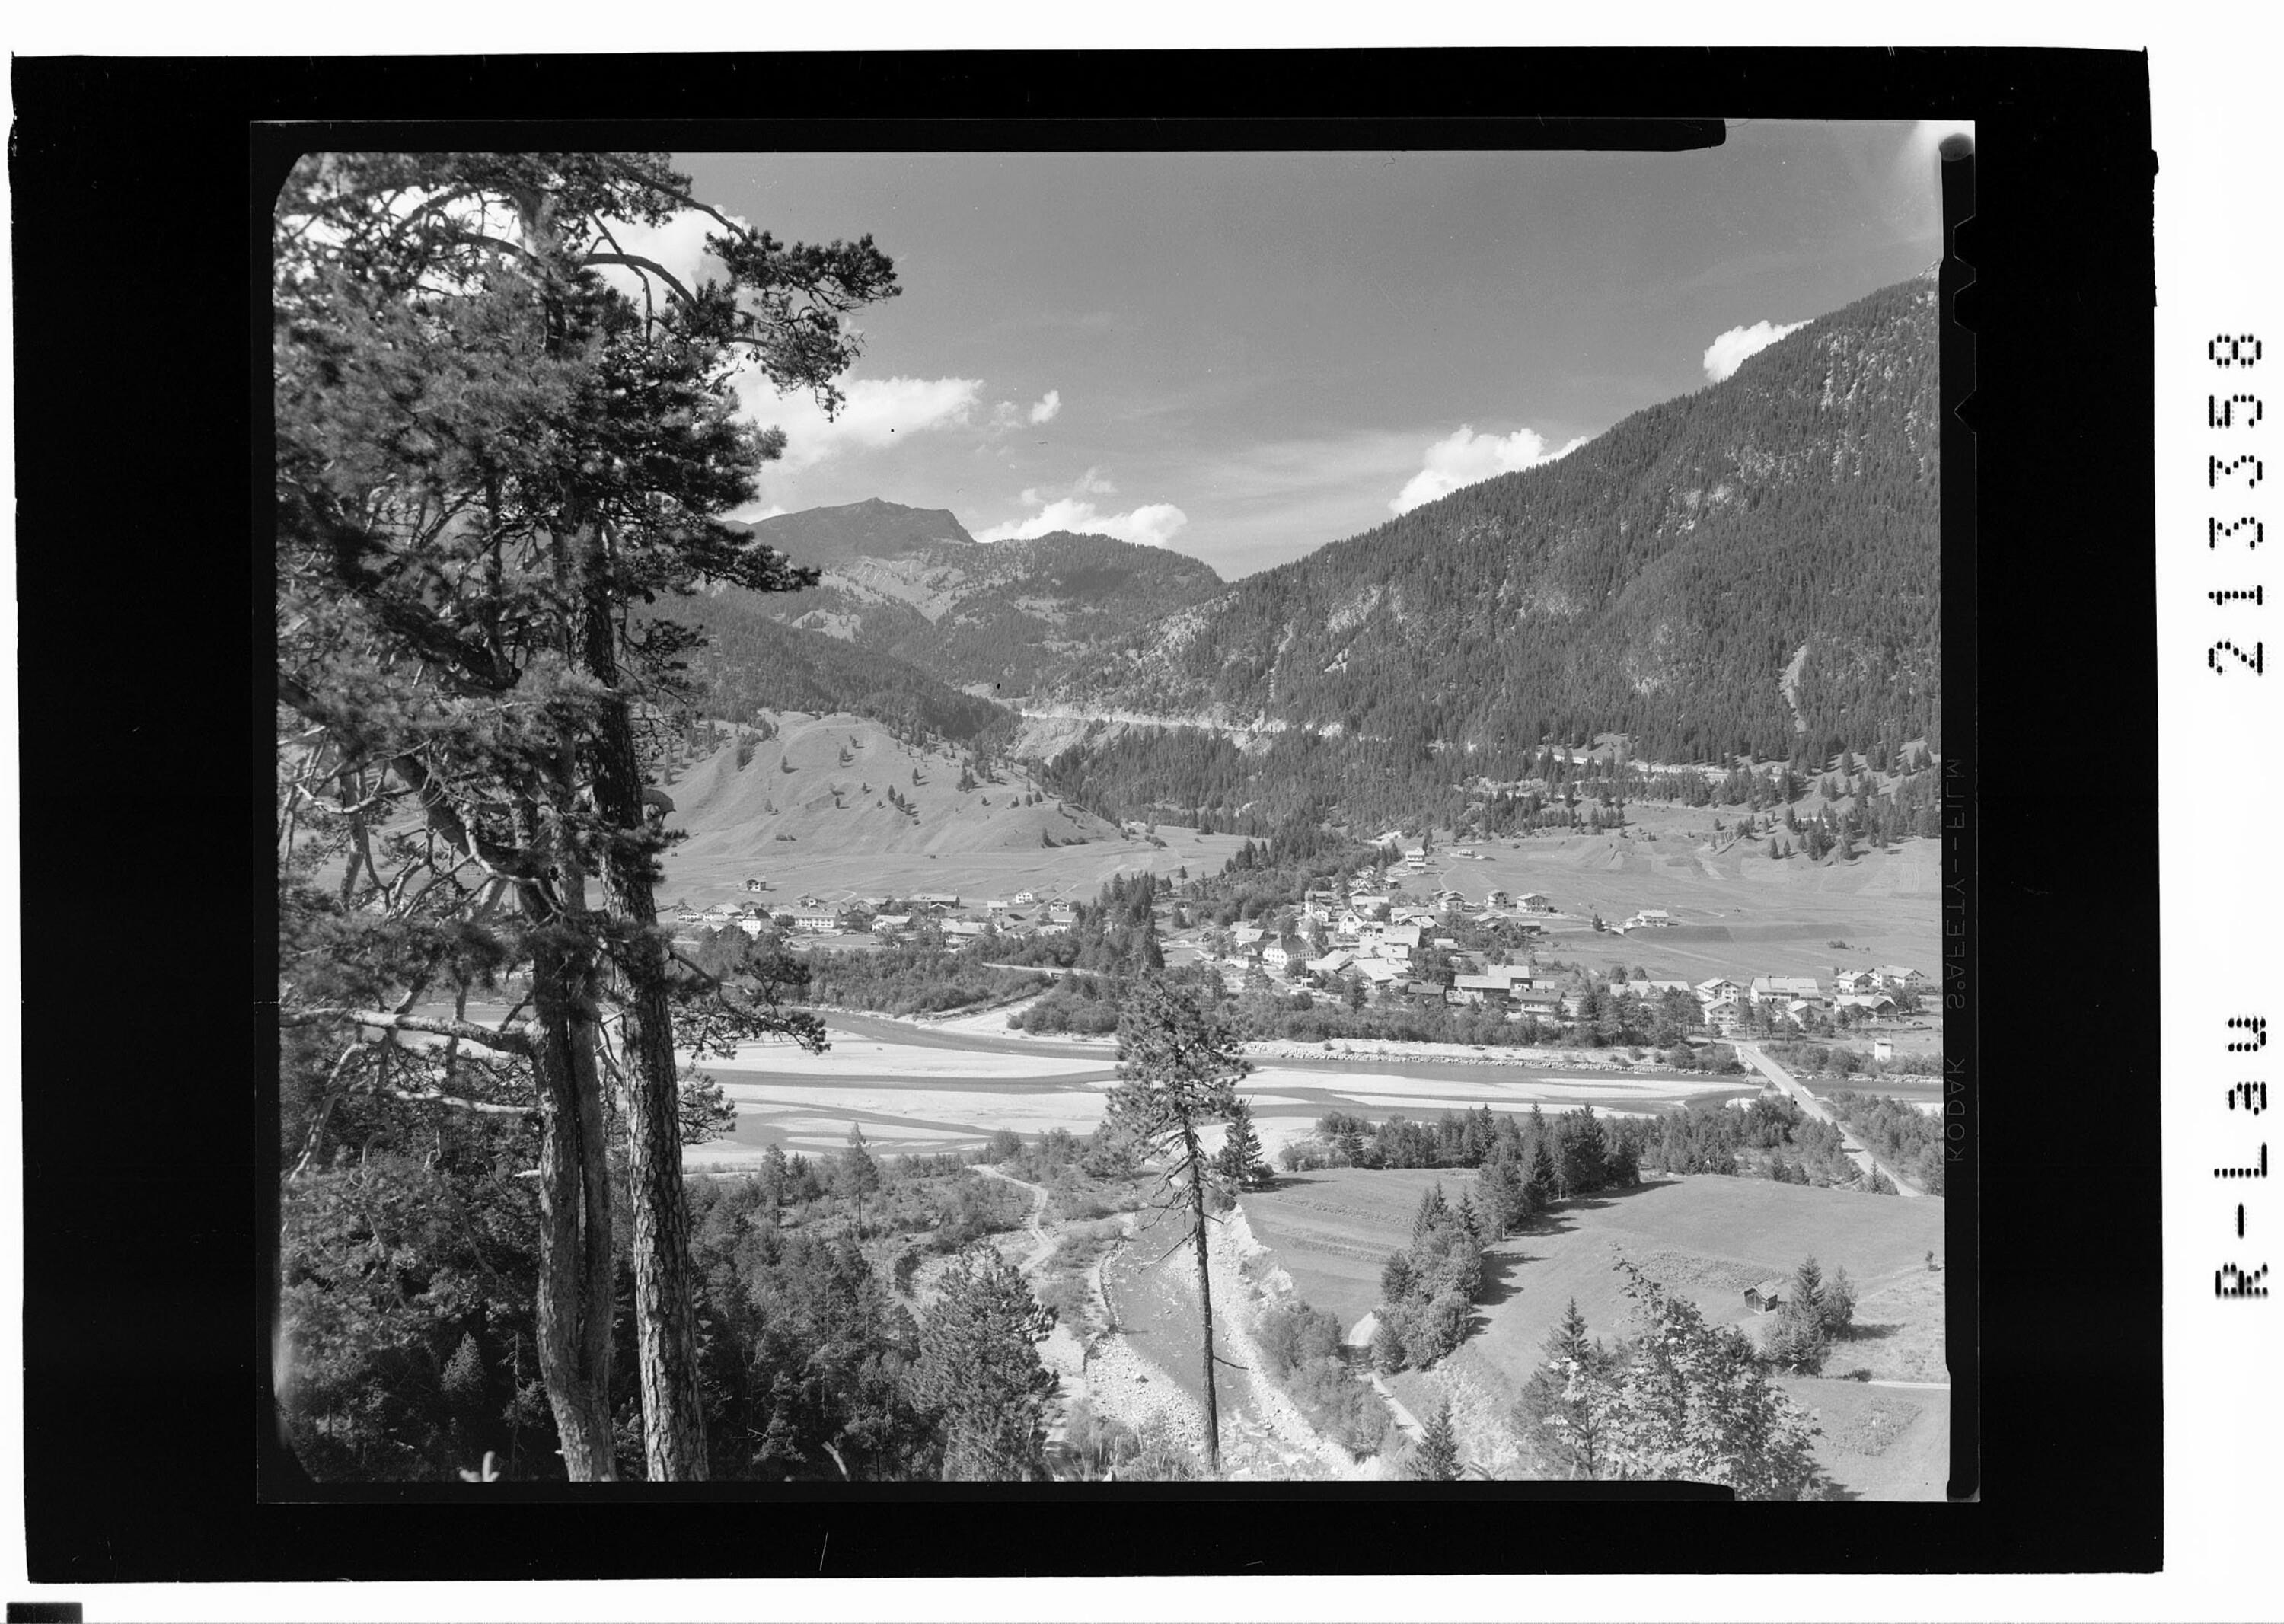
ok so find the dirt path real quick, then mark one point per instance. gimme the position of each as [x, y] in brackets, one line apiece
[1800, 1094]
[1043, 1243]
[1360, 1336]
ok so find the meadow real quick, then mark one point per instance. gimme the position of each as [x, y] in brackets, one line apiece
[1706, 1237]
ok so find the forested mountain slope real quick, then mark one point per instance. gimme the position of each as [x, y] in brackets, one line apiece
[997, 617]
[751, 662]
[1658, 581]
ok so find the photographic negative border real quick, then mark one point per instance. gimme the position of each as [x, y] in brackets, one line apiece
[179, 1238]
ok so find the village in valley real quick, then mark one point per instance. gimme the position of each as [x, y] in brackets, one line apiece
[1379, 940]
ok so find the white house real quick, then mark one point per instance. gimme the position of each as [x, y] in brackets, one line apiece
[1787, 988]
[1720, 989]
[1497, 899]
[1902, 979]
[1535, 901]
[815, 919]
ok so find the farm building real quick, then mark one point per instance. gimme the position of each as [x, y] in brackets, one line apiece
[1785, 988]
[1535, 901]
[1766, 1298]
[1497, 899]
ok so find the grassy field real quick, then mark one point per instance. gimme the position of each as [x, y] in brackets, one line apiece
[778, 817]
[1739, 914]
[1880, 1443]
[1331, 1231]
[1708, 1237]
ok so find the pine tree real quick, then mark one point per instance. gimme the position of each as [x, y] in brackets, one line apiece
[1179, 1059]
[1431, 1211]
[980, 1371]
[1239, 1160]
[1436, 1458]
[856, 1175]
[465, 412]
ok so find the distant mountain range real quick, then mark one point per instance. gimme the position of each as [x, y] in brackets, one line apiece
[997, 618]
[1750, 569]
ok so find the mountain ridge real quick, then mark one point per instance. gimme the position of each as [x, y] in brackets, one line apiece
[1657, 581]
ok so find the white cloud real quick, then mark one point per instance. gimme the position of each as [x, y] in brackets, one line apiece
[1154, 524]
[879, 412]
[1730, 351]
[1467, 457]
[1045, 410]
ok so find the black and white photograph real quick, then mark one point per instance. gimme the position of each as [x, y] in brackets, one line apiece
[1090, 817]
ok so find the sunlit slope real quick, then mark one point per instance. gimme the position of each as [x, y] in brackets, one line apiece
[824, 782]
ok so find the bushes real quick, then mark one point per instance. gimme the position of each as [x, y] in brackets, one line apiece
[913, 980]
[1896, 1132]
[1428, 1290]
[1301, 1349]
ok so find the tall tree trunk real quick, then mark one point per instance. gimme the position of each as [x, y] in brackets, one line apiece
[1205, 1292]
[574, 1318]
[666, 1318]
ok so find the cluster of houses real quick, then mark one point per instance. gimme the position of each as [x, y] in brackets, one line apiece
[1367, 939]
[1024, 913]
[1725, 1002]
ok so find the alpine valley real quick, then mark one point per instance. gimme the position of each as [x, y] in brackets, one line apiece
[1748, 572]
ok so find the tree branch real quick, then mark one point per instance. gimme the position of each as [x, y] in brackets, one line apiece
[516, 1041]
[640, 263]
[437, 1096]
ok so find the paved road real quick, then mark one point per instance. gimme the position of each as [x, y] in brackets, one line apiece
[1800, 1094]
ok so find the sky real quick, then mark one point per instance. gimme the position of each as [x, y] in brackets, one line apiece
[1245, 355]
